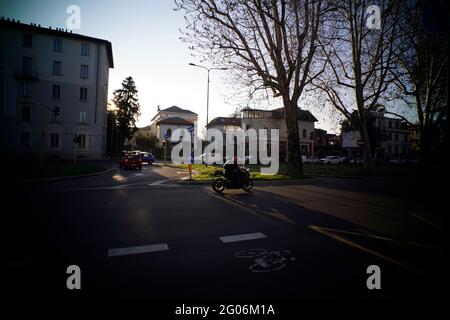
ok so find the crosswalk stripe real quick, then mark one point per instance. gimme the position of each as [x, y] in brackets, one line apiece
[137, 250]
[242, 237]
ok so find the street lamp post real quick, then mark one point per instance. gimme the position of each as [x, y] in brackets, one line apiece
[207, 89]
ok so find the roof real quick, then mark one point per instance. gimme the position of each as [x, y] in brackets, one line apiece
[225, 121]
[175, 120]
[303, 115]
[60, 32]
[177, 109]
[145, 128]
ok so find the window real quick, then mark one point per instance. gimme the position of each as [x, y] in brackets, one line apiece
[389, 149]
[82, 143]
[55, 114]
[390, 124]
[54, 140]
[83, 116]
[25, 140]
[27, 40]
[405, 138]
[26, 89]
[25, 113]
[304, 133]
[57, 67]
[84, 71]
[85, 49]
[396, 137]
[390, 136]
[56, 91]
[83, 94]
[397, 125]
[27, 65]
[57, 45]
[396, 150]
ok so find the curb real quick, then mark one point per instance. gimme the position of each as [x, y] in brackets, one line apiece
[347, 177]
[68, 177]
[257, 182]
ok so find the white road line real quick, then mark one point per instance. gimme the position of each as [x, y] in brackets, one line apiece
[242, 237]
[137, 250]
[159, 182]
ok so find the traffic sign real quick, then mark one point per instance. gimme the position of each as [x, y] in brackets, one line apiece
[190, 129]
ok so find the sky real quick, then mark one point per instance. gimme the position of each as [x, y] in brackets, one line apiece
[146, 45]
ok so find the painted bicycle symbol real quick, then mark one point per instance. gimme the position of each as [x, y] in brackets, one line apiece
[266, 261]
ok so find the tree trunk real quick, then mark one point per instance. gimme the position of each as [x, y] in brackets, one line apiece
[367, 148]
[294, 157]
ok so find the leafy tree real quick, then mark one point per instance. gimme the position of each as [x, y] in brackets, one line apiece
[112, 132]
[146, 143]
[128, 109]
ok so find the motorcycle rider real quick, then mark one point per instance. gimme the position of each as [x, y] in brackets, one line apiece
[232, 170]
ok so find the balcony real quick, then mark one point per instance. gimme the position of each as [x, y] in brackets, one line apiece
[26, 74]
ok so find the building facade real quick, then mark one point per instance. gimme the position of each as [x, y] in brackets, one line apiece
[394, 138]
[391, 139]
[271, 119]
[274, 119]
[167, 120]
[53, 86]
[325, 144]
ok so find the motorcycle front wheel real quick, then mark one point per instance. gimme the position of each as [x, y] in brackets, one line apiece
[219, 185]
[248, 185]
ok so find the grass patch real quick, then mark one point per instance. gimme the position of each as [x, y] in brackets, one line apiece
[206, 173]
[53, 170]
[377, 170]
[350, 170]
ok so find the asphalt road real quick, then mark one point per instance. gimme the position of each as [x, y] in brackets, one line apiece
[312, 241]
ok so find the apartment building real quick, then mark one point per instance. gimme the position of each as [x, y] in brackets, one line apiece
[53, 87]
[394, 138]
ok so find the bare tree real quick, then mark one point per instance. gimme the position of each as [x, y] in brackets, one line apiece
[359, 56]
[269, 43]
[421, 78]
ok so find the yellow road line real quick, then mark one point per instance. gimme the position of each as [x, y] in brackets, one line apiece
[367, 235]
[360, 247]
[420, 217]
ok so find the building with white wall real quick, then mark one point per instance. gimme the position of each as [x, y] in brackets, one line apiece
[167, 120]
[272, 119]
[53, 86]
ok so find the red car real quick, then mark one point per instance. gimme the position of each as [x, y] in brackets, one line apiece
[131, 161]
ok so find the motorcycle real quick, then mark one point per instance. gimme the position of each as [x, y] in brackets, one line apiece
[224, 182]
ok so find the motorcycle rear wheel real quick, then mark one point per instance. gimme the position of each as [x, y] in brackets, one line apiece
[248, 185]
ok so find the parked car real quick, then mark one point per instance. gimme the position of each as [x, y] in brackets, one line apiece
[332, 160]
[147, 157]
[358, 160]
[397, 161]
[131, 161]
[311, 160]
